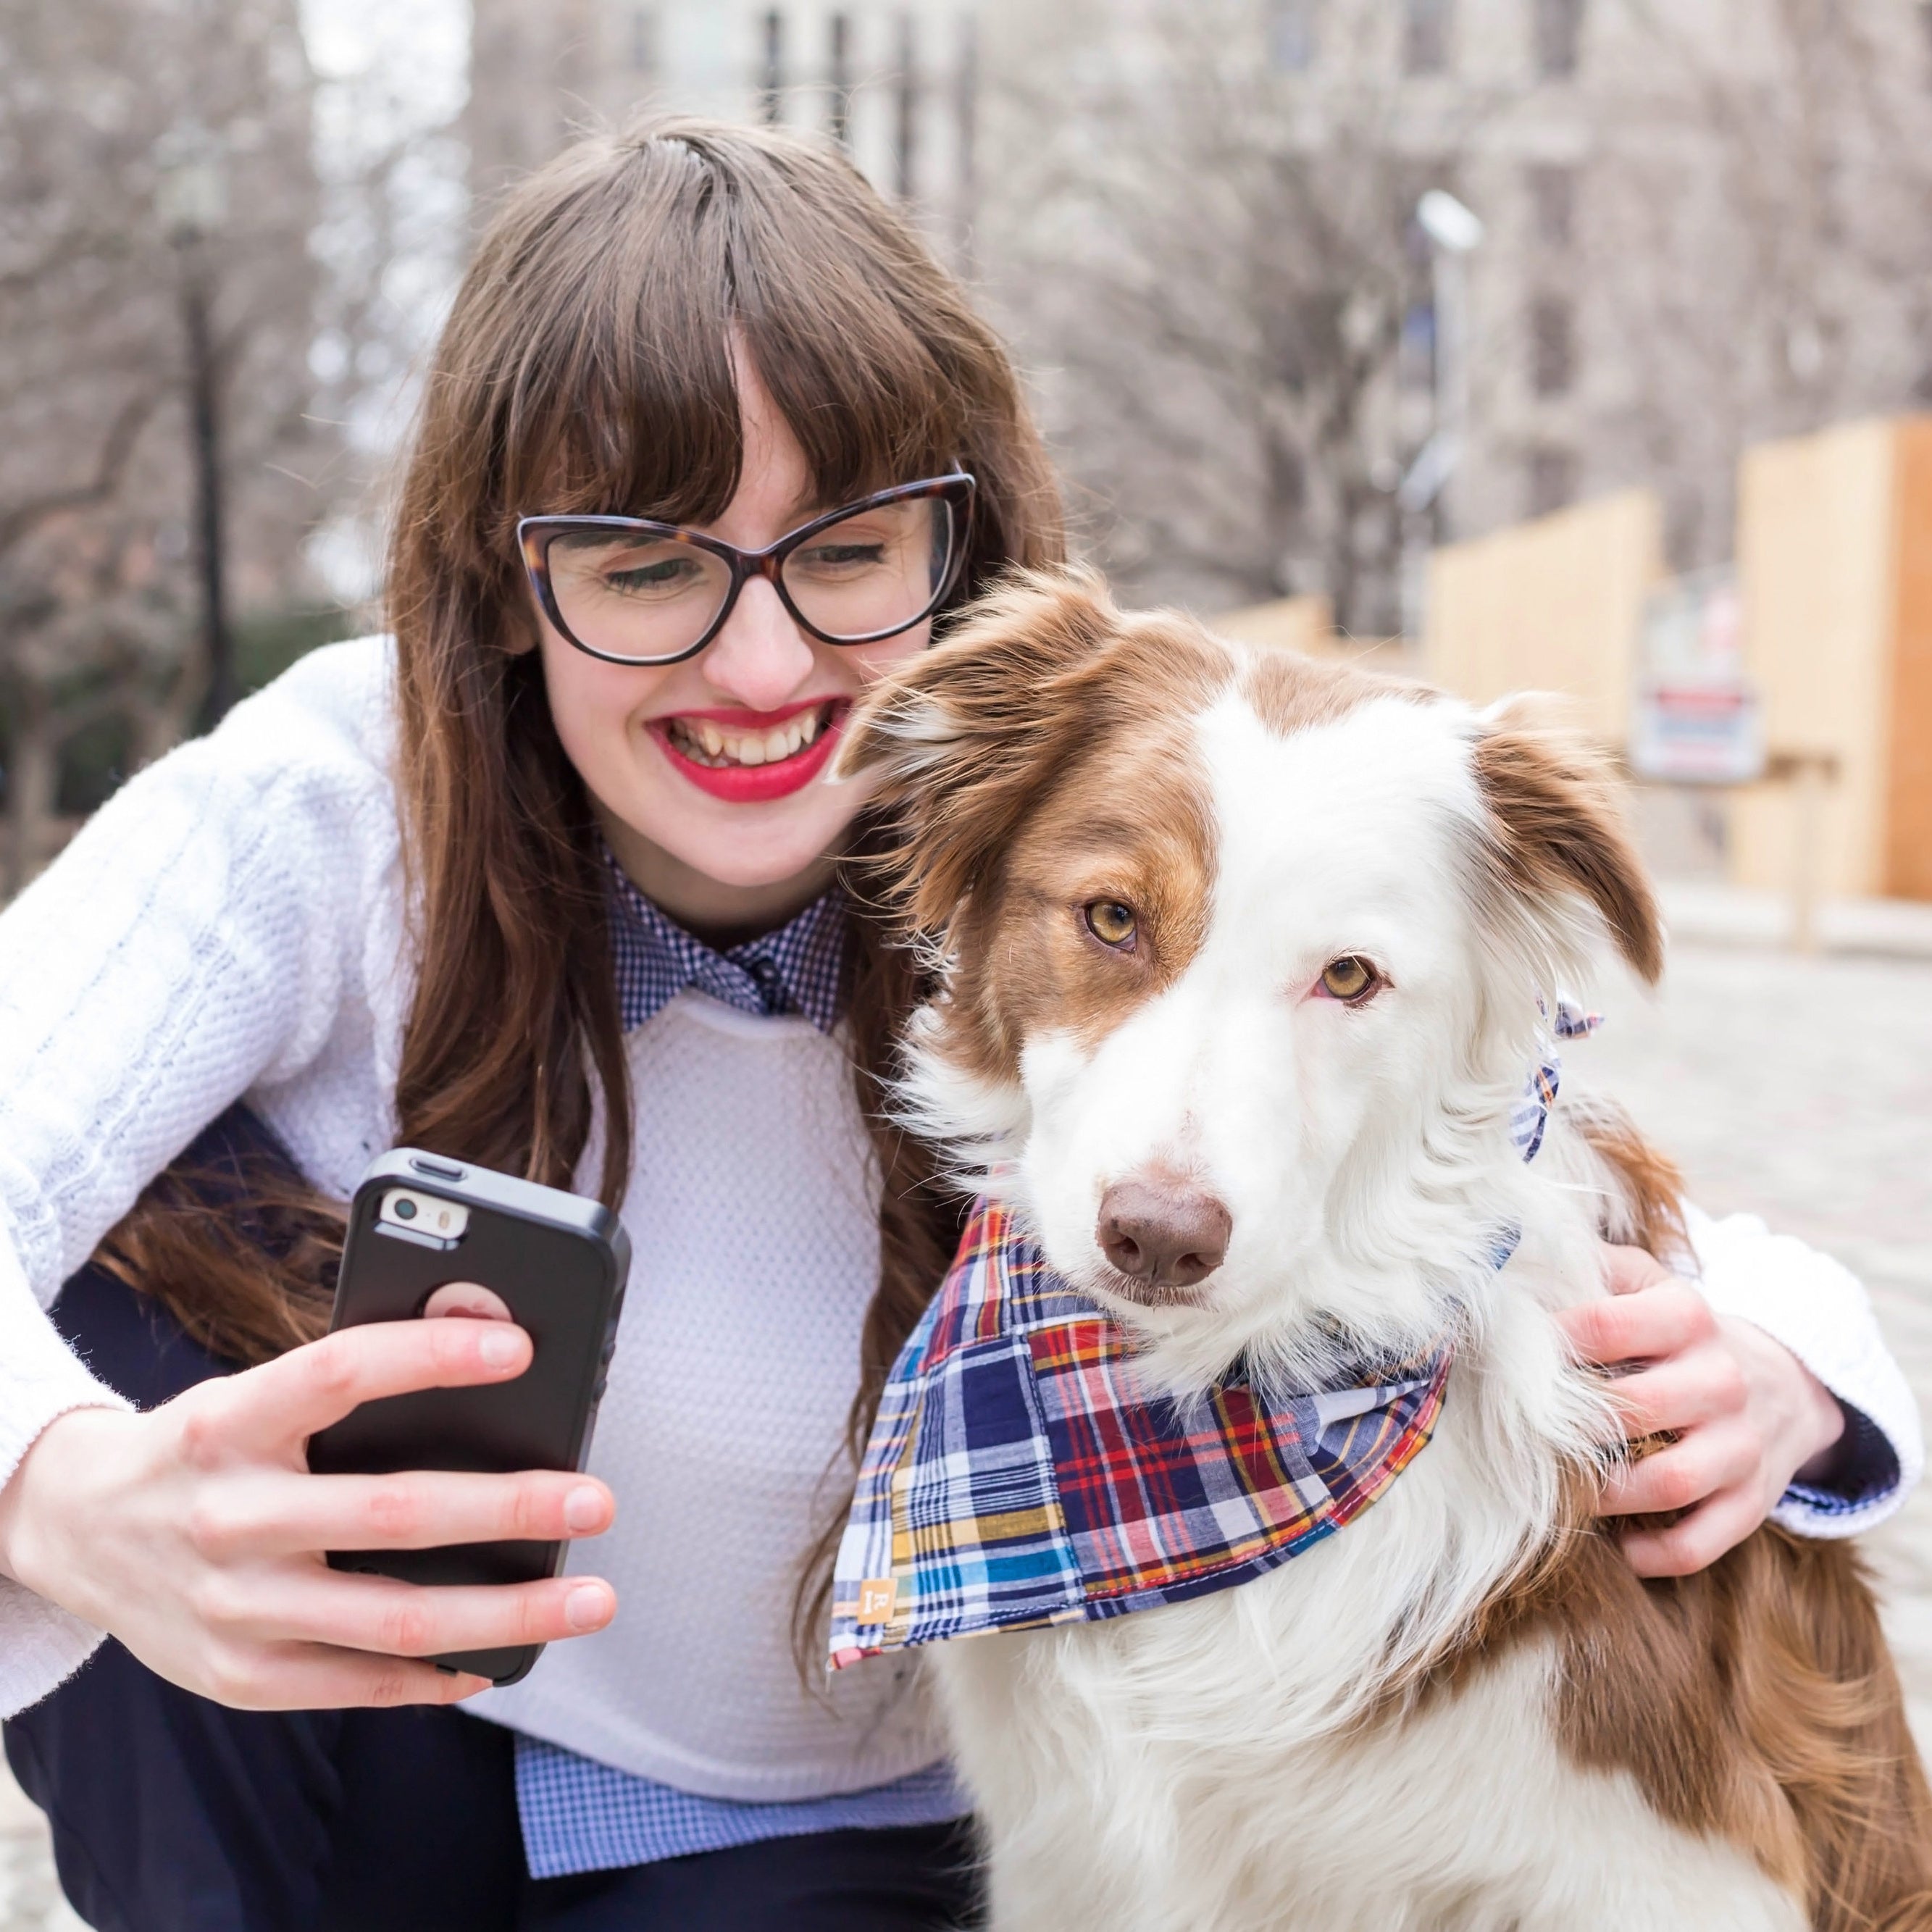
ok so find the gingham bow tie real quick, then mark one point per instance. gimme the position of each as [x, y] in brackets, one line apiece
[1016, 1476]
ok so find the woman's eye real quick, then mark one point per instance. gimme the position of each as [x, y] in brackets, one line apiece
[848, 556]
[1350, 979]
[662, 575]
[1111, 923]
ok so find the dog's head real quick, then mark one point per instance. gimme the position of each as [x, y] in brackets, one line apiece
[1241, 954]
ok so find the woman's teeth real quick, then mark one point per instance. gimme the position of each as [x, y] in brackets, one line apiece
[705, 743]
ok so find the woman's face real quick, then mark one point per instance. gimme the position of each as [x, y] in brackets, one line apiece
[739, 836]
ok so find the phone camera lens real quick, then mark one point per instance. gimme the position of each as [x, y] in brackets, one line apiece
[406, 1211]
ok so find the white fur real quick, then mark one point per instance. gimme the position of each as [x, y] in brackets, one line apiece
[1213, 1765]
[1127, 1784]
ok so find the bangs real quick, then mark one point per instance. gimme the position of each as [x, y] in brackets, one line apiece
[627, 290]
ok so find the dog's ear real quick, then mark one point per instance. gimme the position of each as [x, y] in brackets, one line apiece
[957, 741]
[1557, 830]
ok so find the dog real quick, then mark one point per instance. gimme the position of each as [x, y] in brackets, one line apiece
[1239, 960]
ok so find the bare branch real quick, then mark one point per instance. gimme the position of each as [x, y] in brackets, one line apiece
[20, 521]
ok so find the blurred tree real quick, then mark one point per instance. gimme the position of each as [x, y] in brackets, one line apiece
[1223, 297]
[1705, 224]
[1756, 218]
[100, 593]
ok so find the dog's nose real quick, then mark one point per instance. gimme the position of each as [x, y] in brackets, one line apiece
[1169, 1233]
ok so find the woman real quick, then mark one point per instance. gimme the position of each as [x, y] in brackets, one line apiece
[548, 884]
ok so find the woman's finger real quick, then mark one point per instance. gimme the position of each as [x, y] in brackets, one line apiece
[274, 1513]
[1698, 1386]
[1628, 1270]
[1695, 1541]
[1682, 1476]
[377, 1614]
[284, 1401]
[312, 1677]
[467, 1297]
[1659, 1320]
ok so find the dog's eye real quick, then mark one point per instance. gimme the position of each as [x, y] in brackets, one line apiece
[1351, 979]
[1111, 923]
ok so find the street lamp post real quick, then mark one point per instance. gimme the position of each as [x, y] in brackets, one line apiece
[192, 201]
[1454, 232]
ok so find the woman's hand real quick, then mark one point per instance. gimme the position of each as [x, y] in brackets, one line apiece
[1747, 1415]
[194, 1532]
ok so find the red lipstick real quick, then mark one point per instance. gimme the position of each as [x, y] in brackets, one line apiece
[753, 785]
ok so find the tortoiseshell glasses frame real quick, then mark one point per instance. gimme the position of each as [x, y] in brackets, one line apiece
[631, 591]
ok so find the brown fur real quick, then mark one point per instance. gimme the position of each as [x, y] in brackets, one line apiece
[1038, 958]
[1755, 1701]
[1292, 693]
[1558, 830]
[994, 750]
[1646, 1211]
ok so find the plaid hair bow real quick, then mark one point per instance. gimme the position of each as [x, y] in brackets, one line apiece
[1017, 1476]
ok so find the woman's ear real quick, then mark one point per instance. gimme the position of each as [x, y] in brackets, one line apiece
[1558, 831]
[957, 741]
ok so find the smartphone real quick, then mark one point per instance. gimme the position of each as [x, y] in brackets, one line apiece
[558, 1264]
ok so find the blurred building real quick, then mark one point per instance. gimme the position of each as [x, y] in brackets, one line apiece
[1701, 226]
[895, 82]
[1701, 229]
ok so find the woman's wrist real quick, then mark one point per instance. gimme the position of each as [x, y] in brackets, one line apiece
[1830, 1433]
[23, 1546]
[1802, 1420]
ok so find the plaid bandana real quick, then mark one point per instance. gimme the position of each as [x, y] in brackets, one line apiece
[1017, 1476]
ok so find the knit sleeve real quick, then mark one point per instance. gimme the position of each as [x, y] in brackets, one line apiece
[194, 938]
[1819, 1311]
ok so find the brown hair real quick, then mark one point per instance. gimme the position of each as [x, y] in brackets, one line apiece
[586, 367]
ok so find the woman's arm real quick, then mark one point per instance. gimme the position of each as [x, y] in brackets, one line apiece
[200, 935]
[206, 932]
[1818, 1310]
[193, 938]
[40, 1380]
[1772, 1373]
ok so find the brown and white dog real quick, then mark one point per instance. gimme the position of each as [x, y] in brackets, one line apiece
[1259, 940]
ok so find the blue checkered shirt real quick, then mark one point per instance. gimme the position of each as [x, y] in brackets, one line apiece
[798, 969]
[579, 1816]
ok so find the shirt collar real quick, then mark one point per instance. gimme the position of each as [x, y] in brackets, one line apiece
[798, 969]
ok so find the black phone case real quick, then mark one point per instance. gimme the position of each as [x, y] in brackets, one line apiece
[561, 1263]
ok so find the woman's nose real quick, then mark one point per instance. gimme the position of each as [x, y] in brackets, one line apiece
[760, 658]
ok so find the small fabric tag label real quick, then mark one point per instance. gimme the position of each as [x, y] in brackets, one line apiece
[877, 1596]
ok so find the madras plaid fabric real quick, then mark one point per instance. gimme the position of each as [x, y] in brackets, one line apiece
[1018, 1477]
[1532, 1114]
[798, 969]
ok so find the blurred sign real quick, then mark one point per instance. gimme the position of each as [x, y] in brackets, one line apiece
[1697, 719]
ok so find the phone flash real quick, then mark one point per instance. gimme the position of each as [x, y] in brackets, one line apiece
[423, 1214]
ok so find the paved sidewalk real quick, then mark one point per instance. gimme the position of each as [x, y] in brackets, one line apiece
[1798, 1089]
[1701, 912]
[30, 1900]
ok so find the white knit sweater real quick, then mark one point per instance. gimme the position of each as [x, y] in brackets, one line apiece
[753, 1214]
[231, 924]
